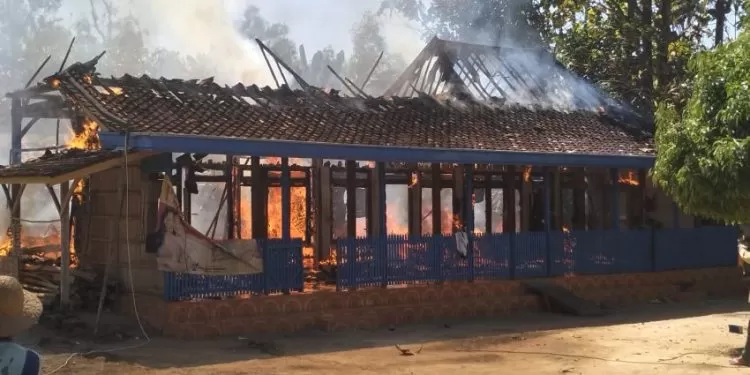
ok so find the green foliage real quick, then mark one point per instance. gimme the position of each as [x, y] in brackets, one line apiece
[703, 159]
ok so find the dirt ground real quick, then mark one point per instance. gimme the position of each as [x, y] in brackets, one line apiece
[685, 338]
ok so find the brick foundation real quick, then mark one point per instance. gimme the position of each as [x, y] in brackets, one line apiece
[372, 308]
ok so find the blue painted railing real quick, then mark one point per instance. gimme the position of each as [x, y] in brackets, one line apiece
[282, 273]
[367, 262]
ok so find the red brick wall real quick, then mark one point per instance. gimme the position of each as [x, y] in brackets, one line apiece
[372, 308]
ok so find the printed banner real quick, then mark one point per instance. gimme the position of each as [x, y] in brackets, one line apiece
[182, 248]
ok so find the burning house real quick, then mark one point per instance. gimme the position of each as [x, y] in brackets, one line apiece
[479, 167]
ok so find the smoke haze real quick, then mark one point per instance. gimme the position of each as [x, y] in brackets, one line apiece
[170, 38]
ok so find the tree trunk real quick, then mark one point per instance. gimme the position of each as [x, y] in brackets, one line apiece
[721, 17]
[646, 62]
[663, 75]
[633, 43]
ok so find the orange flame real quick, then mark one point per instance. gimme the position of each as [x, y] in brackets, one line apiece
[414, 179]
[629, 177]
[565, 229]
[50, 239]
[527, 174]
[78, 191]
[87, 139]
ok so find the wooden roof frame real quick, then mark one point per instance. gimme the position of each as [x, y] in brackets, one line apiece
[82, 172]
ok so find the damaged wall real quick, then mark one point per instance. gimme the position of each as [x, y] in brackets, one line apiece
[108, 229]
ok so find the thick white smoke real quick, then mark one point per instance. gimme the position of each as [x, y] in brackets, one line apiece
[195, 27]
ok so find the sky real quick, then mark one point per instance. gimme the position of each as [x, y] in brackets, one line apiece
[316, 24]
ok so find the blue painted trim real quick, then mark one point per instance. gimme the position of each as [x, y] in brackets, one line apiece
[615, 173]
[285, 200]
[548, 218]
[279, 148]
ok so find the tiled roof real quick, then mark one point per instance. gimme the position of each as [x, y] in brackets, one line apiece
[203, 108]
[57, 164]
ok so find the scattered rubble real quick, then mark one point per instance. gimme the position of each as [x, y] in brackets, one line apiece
[40, 273]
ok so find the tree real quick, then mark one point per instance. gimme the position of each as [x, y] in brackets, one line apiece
[369, 43]
[703, 159]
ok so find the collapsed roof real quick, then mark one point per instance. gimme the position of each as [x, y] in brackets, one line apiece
[458, 118]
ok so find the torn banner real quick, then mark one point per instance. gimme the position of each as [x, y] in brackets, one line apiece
[182, 248]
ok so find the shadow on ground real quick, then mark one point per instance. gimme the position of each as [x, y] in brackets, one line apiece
[162, 352]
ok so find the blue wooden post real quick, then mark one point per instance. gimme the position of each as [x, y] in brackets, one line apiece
[615, 173]
[469, 215]
[285, 200]
[382, 240]
[548, 217]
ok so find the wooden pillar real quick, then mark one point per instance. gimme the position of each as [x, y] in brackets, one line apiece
[286, 195]
[378, 217]
[65, 244]
[557, 218]
[526, 199]
[509, 215]
[468, 215]
[509, 200]
[468, 206]
[459, 197]
[259, 208]
[326, 212]
[186, 201]
[179, 188]
[376, 223]
[488, 209]
[638, 202]
[229, 181]
[437, 186]
[351, 198]
[414, 199]
[370, 203]
[615, 176]
[675, 215]
[579, 199]
[548, 217]
[16, 114]
[317, 166]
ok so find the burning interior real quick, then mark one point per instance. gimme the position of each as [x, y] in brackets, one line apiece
[467, 140]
